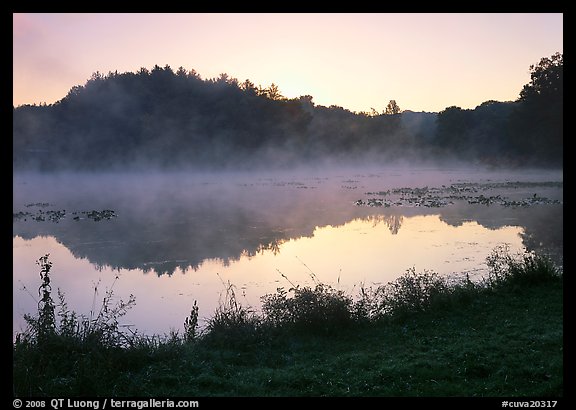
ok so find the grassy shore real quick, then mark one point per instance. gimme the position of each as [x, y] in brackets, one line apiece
[420, 336]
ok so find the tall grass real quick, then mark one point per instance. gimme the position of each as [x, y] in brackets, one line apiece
[318, 309]
[324, 310]
[66, 352]
[506, 270]
[55, 321]
[232, 323]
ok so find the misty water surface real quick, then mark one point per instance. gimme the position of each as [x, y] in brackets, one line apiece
[173, 238]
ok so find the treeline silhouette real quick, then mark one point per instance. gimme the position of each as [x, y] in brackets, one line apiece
[173, 119]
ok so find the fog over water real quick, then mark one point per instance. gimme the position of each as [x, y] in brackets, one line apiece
[175, 237]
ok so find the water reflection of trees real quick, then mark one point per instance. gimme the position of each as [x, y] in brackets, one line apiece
[273, 246]
[187, 227]
[542, 225]
[132, 245]
[393, 221]
[544, 234]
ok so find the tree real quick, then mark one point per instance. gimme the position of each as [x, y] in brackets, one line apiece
[546, 79]
[143, 71]
[453, 128]
[392, 108]
[181, 72]
[392, 117]
[223, 78]
[536, 125]
[273, 92]
[76, 90]
[306, 99]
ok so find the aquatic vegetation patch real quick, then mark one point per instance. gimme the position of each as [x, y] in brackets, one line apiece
[40, 215]
[437, 197]
[374, 202]
[56, 216]
[40, 204]
[99, 215]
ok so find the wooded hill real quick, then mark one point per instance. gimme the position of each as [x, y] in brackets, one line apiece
[174, 119]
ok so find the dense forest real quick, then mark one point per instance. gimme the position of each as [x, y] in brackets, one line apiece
[173, 119]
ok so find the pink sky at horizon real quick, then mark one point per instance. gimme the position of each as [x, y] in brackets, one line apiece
[426, 62]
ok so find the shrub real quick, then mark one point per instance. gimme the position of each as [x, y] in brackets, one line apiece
[321, 309]
[410, 293]
[527, 269]
[232, 323]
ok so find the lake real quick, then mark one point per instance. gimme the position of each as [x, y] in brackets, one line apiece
[173, 238]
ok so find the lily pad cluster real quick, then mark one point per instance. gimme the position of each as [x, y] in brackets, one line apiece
[96, 215]
[437, 197]
[40, 215]
[56, 215]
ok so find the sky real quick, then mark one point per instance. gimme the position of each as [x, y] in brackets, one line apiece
[358, 61]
